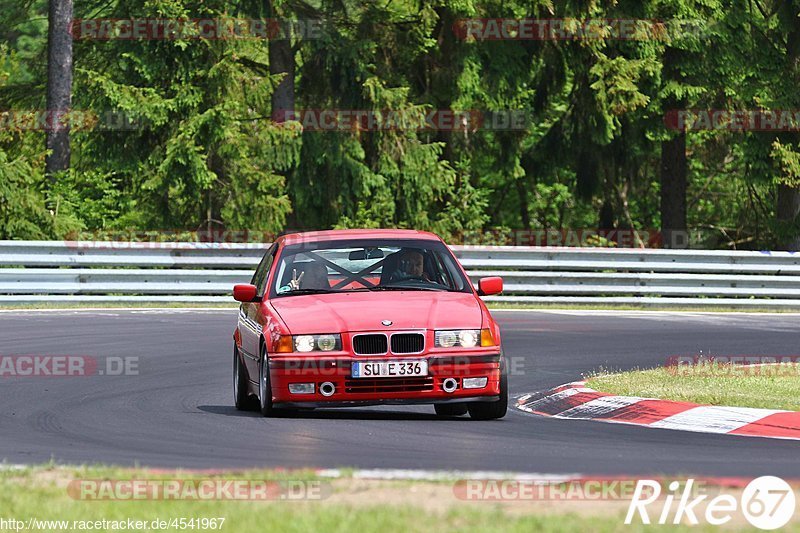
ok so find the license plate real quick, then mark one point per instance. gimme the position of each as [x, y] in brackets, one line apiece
[389, 369]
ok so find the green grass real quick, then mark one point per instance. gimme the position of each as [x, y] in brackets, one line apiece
[712, 383]
[41, 493]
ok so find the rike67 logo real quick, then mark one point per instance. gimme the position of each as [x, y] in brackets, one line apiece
[767, 503]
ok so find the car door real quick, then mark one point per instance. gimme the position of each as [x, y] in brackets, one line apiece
[249, 323]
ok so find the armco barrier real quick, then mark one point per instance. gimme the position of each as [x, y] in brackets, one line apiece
[58, 271]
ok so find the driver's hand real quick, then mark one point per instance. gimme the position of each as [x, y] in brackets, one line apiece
[294, 284]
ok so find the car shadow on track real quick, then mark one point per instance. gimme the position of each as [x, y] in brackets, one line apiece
[344, 413]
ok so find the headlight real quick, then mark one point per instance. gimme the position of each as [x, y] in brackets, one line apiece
[465, 338]
[324, 343]
[468, 338]
[446, 339]
[304, 343]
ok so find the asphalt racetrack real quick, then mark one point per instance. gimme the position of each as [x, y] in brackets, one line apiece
[178, 410]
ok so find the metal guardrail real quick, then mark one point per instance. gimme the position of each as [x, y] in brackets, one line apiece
[58, 271]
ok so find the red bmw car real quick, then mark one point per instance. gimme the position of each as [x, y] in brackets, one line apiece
[345, 318]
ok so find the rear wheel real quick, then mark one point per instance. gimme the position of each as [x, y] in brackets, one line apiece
[450, 409]
[492, 410]
[241, 395]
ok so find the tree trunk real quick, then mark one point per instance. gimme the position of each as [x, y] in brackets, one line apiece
[281, 61]
[59, 86]
[673, 191]
[673, 168]
[788, 198]
[522, 192]
[788, 207]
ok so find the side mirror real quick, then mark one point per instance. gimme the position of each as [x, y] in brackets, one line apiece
[489, 286]
[245, 293]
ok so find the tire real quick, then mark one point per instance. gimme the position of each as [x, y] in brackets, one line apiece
[241, 395]
[492, 410]
[264, 386]
[450, 409]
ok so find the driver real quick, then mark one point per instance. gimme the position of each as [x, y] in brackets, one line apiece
[412, 265]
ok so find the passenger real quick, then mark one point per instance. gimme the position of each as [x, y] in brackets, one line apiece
[316, 276]
[313, 275]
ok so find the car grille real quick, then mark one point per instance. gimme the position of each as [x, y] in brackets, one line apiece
[408, 343]
[366, 386]
[370, 344]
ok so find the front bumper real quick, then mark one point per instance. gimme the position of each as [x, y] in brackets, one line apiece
[361, 403]
[292, 369]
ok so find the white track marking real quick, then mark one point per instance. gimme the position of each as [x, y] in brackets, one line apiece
[443, 475]
[558, 396]
[713, 419]
[599, 407]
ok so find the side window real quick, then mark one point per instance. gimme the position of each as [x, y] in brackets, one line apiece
[262, 272]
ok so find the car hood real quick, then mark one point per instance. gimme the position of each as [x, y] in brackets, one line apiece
[364, 311]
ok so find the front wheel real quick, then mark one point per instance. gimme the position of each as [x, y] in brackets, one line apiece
[491, 410]
[264, 386]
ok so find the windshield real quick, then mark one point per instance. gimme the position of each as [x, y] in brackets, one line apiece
[367, 265]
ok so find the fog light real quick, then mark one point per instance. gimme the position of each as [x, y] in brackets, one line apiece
[474, 383]
[301, 388]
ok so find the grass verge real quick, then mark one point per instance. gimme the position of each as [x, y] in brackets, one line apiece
[349, 504]
[768, 387]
